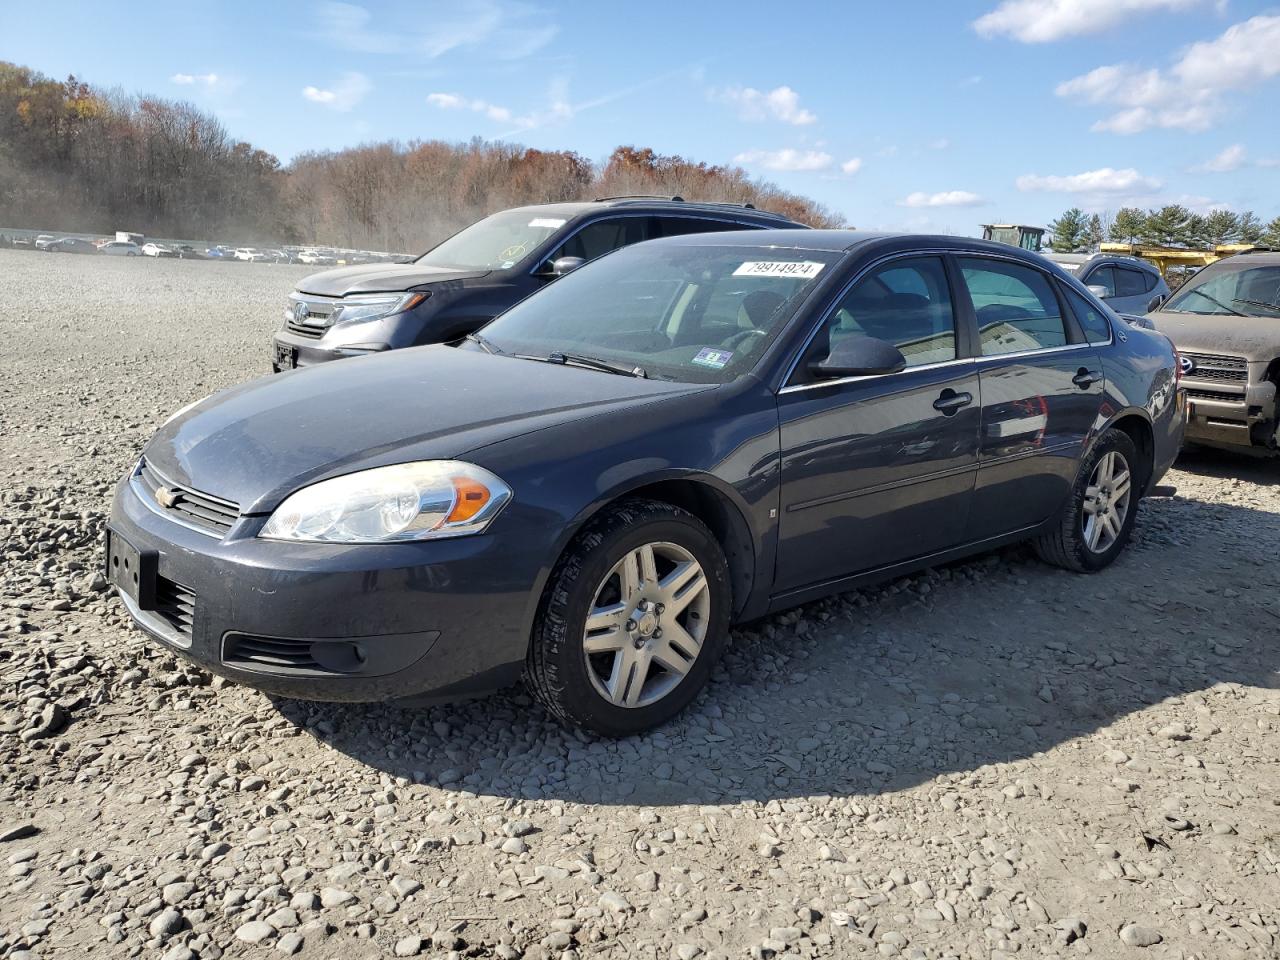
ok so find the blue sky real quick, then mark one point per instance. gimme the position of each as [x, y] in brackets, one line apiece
[908, 115]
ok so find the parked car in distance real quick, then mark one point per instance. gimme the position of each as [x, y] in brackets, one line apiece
[315, 258]
[1127, 284]
[477, 273]
[219, 253]
[185, 251]
[153, 249]
[44, 240]
[120, 248]
[72, 245]
[1225, 322]
[685, 434]
[251, 255]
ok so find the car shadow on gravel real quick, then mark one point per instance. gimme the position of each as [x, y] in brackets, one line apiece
[1226, 465]
[981, 662]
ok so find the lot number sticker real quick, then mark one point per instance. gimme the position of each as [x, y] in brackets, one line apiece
[804, 269]
[715, 359]
[548, 222]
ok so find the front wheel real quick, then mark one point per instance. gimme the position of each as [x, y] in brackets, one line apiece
[635, 616]
[1098, 517]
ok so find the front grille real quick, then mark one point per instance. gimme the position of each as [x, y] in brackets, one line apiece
[207, 513]
[1217, 369]
[271, 653]
[318, 312]
[176, 605]
[1216, 395]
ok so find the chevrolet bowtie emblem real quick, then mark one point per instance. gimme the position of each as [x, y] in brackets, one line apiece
[166, 497]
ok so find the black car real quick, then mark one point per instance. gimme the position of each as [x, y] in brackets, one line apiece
[683, 435]
[72, 245]
[477, 273]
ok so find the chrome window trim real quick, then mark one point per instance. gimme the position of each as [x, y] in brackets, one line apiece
[835, 381]
[599, 218]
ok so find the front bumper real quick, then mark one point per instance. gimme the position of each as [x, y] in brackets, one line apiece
[289, 351]
[330, 621]
[1231, 415]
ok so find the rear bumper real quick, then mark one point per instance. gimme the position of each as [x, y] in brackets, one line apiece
[336, 622]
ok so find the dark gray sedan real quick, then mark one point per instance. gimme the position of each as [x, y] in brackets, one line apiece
[682, 435]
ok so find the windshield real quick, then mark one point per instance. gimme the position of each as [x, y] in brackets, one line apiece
[498, 242]
[686, 313]
[1252, 291]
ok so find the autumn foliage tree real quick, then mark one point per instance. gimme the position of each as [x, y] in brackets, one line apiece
[78, 159]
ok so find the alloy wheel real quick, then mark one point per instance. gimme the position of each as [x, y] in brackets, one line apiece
[1106, 502]
[647, 622]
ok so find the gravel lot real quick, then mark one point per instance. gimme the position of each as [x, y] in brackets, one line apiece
[991, 759]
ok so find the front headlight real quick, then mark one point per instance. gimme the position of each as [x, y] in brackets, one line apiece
[427, 500]
[363, 308]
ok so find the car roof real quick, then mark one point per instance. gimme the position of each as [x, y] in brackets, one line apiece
[843, 241]
[658, 205]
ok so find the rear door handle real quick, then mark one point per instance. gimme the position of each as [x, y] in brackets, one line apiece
[949, 402]
[1086, 378]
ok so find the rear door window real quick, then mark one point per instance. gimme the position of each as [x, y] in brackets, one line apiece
[679, 226]
[1130, 283]
[1015, 307]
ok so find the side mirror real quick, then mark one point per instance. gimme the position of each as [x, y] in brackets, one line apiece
[1099, 291]
[563, 265]
[859, 357]
[1156, 303]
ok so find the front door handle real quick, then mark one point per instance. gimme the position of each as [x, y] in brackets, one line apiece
[1086, 378]
[949, 402]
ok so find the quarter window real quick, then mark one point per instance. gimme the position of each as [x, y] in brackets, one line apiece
[1015, 307]
[1130, 283]
[1097, 329]
[905, 303]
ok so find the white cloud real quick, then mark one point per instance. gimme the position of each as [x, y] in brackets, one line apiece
[851, 166]
[501, 29]
[349, 91]
[947, 198]
[191, 79]
[1189, 95]
[942, 143]
[785, 160]
[1043, 21]
[780, 103]
[1231, 158]
[1104, 180]
[452, 101]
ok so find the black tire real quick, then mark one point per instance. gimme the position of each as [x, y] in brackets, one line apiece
[1065, 545]
[556, 669]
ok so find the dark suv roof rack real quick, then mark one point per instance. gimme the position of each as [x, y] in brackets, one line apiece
[640, 197]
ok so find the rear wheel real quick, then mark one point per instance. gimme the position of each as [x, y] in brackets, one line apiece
[635, 615]
[1098, 517]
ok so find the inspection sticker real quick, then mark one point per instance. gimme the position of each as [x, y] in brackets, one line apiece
[804, 269]
[549, 222]
[716, 359]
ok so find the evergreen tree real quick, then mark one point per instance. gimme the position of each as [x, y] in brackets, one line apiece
[1096, 233]
[1271, 236]
[1129, 225]
[1168, 227]
[1221, 226]
[1070, 231]
[1250, 228]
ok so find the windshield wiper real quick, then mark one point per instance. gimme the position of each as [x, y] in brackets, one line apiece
[1216, 302]
[595, 363]
[486, 345]
[1258, 303]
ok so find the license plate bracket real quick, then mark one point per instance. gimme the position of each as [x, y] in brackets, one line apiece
[132, 570]
[286, 356]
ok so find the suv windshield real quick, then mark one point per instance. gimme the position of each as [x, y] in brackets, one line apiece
[1252, 291]
[693, 314]
[494, 243]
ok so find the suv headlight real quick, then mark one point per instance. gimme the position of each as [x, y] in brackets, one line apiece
[426, 500]
[365, 307]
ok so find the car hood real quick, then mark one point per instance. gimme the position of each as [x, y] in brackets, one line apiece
[256, 443]
[380, 278]
[1256, 338]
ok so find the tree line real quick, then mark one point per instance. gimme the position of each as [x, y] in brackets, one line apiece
[1169, 226]
[79, 159]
